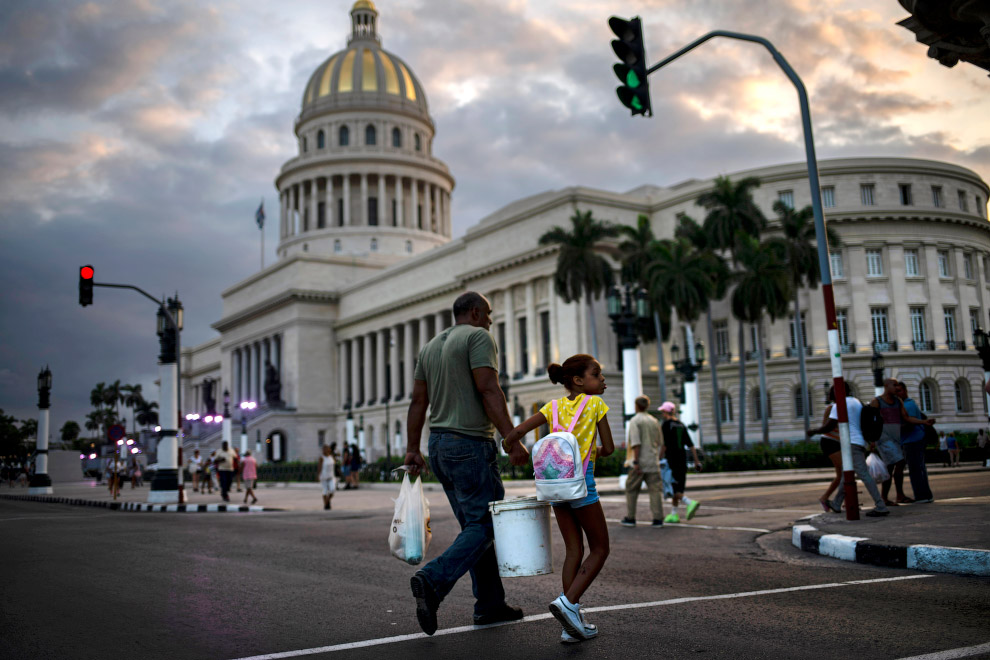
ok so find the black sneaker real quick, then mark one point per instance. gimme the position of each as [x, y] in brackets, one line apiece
[628, 522]
[505, 613]
[657, 524]
[875, 513]
[427, 603]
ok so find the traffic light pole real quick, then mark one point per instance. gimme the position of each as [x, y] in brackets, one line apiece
[835, 354]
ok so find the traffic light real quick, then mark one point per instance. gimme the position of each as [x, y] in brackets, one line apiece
[86, 285]
[634, 92]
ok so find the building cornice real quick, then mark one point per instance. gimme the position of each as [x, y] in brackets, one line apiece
[310, 166]
[274, 302]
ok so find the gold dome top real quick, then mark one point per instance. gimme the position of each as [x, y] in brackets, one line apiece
[364, 4]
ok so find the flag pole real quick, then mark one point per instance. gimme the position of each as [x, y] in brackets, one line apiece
[262, 248]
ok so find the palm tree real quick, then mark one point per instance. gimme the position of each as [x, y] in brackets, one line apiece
[800, 242]
[69, 432]
[731, 209]
[146, 415]
[98, 398]
[93, 421]
[689, 229]
[762, 287]
[581, 271]
[114, 396]
[636, 252]
[132, 397]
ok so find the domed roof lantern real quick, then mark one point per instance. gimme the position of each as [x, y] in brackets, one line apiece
[364, 21]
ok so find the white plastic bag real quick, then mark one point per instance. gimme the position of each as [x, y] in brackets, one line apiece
[409, 536]
[877, 469]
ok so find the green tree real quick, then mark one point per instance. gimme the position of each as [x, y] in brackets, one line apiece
[70, 432]
[115, 396]
[801, 247]
[763, 287]
[637, 252]
[147, 414]
[11, 436]
[581, 271]
[731, 212]
[133, 397]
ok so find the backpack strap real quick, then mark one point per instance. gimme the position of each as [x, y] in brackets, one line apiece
[577, 413]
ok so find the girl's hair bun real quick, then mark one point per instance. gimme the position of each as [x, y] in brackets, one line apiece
[556, 372]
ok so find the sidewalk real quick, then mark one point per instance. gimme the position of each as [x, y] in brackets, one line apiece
[946, 536]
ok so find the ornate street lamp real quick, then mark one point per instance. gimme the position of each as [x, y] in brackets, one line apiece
[876, 364]
[688, 370]
[41, 483]
[629, 311]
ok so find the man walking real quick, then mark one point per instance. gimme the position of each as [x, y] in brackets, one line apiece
[913, 445]
[889, 445]
[675, 439]
[646, 450]
[457, 377]
[225, 469]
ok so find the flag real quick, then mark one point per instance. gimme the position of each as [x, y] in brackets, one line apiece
[259, 215]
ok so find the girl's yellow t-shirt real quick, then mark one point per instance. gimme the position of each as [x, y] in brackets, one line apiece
[586, 427]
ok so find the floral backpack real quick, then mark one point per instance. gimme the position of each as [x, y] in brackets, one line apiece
[557, 464]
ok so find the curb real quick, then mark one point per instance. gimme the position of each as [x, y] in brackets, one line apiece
[932, 558]
[142, 506]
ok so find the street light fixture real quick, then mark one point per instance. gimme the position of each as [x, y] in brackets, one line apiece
[41, 483]
[629, 311]
[245, 407]
[876, 364]
[688, 370]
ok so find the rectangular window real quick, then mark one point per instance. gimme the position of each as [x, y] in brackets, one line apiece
[545, 337]
[321, 215]
[828, 196]
[911, 268]
[963, 203]
[786, 198]
[937, 196]
[974, 320]
[918, 324]
[838, 272]
[321, 438]
[373, 211]
[968, 266]
[804, 331]
[842, 325]
[905, 190]
[950, 323]
[866, 194]
[874, 263]
[523, 345]
[725, 407]
[943, 264]
[721, 337]
[340, 212]
[881, 332]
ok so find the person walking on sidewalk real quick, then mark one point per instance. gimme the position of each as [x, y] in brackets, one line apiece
[675, 439]
[328, 481]
[456, 376]
[249, 471]
[830, 447]
[889, 445]
[195, 467]
[952, 445]
[913, 444]
[981, 442]
[645, 449]
[225, 469]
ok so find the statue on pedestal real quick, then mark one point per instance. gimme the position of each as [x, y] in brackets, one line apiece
[273, 386]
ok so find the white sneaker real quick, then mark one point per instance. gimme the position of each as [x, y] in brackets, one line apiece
[591, 630]
[569, 617]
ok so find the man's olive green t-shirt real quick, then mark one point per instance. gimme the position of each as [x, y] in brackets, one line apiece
[445, 363]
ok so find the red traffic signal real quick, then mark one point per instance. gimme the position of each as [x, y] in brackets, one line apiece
[86, 285]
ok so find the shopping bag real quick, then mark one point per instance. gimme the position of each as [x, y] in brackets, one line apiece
[877, 469]
[409, 536]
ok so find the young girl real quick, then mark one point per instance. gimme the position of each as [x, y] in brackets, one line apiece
[582, 376]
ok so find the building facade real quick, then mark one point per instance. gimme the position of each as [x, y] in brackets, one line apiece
[367, 272]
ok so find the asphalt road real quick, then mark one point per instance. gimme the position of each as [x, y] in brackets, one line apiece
[91, 583]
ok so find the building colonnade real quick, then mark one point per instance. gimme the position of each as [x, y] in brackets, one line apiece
[248, 365]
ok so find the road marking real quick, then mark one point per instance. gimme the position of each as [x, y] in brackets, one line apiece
[609, 499]
[542, 617]
[696, 526]
[80, 517]
[964, 652]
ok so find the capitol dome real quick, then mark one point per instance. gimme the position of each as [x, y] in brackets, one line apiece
[364, 74]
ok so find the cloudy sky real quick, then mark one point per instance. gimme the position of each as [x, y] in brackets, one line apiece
[139, 136]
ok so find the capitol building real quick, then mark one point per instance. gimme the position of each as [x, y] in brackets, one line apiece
[367, 271]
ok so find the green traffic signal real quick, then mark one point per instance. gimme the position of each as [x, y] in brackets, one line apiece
[634, 93]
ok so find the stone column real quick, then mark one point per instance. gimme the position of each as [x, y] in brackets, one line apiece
[295, 209]
[401, 216]
[364, 200]
[346, 189]
[510, 334]
[396, 375]
[258, 373]
[314, 197]
[329, 205]
[383, 208]
[414, 196]
[246, 375]
[282, 213]
[408, 357]
[439, 322]
[380, 343]
[435, 215]
[342, 349]
[552, 306]
[366, 390]
[424, 333]
[532, 344]
[355, 369]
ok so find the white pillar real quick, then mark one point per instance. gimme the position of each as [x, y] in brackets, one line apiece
[380, 339]
[366, 390]
[424, 333]
[401, 216]
[313, 202]
[439, 322]
[41, 483]
[414, 196]
[227, 432]
[408, 357]
[346, 190]
[445, 203]
[329, 205]
[355, 369]
[349, 429]
[295, 209]
[165, 487]
[632, 383]
[382, 206]
[396, 376]
[552, 302]
[532, 345]
[690, 412]
[510, 334]
[258, 371]
[436, 208]
[342, 373]
[364, 200]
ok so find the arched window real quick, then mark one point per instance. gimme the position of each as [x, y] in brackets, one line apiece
[336, 245]
[962, 396]
[757, 412]
[369, 134]
[724, 407]
[417, 142]
[799, 404]
[927, 400]
[374, 245]
[321, 139]
[345, 136]
[409, 247]
[396, 138]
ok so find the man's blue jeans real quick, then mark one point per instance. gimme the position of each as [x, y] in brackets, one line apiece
[914, 452]
[468, 471]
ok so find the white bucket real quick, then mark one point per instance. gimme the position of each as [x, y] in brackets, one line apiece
[522, 536]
